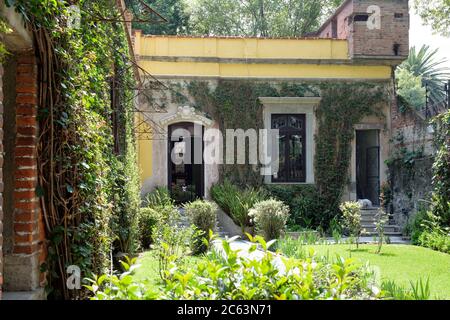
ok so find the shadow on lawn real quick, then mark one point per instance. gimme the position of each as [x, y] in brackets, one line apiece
[383, 254]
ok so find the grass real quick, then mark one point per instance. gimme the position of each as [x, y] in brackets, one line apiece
[148, 271]
[400, 263]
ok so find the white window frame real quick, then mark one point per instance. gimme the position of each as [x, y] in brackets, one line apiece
[294, 105]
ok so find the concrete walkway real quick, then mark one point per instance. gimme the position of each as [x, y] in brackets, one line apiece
[370, 240]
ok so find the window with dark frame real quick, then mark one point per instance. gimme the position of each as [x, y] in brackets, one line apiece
[292, 147]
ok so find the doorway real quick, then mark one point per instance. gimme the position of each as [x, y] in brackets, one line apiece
[368, 165]
[185, 162]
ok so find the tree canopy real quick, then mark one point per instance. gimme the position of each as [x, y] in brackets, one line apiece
[259, 18]
[424, 64]
[435, 13]
[175, 11]
[266, 18]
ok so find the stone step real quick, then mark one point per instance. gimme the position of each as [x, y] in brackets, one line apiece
[372, 228]
[365, 213]
[388, 234]
[368, 219]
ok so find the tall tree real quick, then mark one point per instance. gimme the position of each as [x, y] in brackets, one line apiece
[435, 13]
[274, 18]
[424, 63]
[175, 11]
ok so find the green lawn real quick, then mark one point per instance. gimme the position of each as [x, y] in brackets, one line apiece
[148, 271]
[400, 263]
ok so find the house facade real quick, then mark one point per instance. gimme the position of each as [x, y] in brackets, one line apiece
[278, 84]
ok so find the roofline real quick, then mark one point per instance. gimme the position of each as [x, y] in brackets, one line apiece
[231, 37]
[338, 10]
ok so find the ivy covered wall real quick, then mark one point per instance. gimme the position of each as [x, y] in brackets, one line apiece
[234, 104]
[88, 179]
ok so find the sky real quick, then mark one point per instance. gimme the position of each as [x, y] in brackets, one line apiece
[420, 35]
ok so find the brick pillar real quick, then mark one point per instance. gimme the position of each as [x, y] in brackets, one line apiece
[22, 267]
[26, 203]
[1, 180]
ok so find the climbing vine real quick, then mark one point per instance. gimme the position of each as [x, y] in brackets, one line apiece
[441, 169]
[88, 182]
[342, 106]
[235, 104]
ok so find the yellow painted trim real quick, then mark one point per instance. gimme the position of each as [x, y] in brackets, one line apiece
[243, 48]
[300, 71]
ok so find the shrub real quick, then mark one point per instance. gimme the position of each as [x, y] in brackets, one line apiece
[418, 290]
[148, 219]
[230, 276]
[171, 239]
[183, 194]
[236, 202]
[427, 231]
[160, 197]
[351, 215]
[382, 220]
[438, 240]
[270, 217]
[293, 248]
[304, 202]
[415, 226]
[203, 215]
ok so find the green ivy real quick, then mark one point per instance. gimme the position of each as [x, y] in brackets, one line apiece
[89, 170]
[235, 104]
[441, 169]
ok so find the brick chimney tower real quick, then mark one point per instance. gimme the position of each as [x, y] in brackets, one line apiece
[375, 29]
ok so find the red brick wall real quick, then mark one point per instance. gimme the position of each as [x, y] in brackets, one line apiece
[376, 42]
[27, 236]
[380, 42]
[1, 180]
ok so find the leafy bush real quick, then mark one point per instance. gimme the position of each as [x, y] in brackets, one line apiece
[304, 203]
[418, 291]
[172, 242]
[270, 217]
[291, 247]
[351, 215]
[415, 226]
[120, 287]
[148, 219]
[410, 88]
[203, 215]
[230, 276]
[183, 194]
[160, 197]
[427, 231]
[438, 239]
[236, 202]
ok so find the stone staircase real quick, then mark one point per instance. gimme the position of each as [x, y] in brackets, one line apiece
[368, 220]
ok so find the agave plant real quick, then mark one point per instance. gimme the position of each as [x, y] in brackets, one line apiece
[425, 64]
